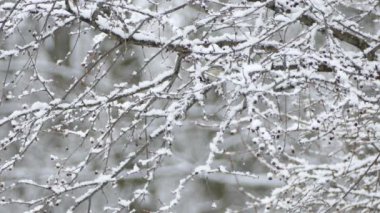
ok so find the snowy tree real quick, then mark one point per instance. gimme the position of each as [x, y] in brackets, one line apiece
[190, 106]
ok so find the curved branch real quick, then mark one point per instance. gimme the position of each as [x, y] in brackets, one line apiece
[340, 33]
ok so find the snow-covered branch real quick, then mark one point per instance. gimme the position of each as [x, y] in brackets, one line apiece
[252, 105]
